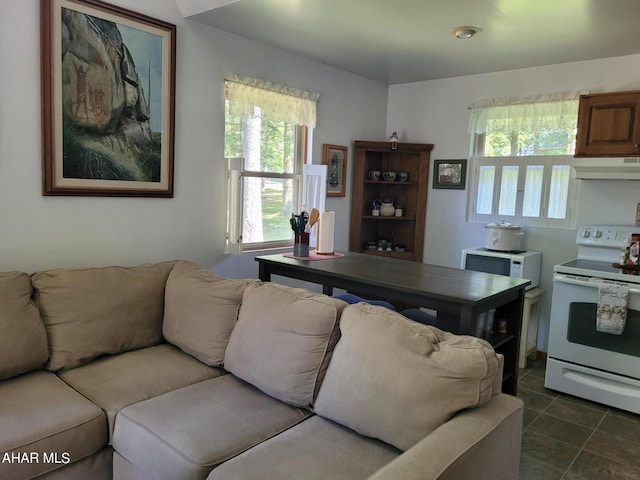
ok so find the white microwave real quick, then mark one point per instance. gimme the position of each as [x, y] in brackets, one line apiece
[524, 265]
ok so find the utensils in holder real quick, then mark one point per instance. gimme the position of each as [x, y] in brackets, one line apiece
[300, 244]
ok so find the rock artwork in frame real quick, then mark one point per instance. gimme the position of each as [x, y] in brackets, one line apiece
[108, 93]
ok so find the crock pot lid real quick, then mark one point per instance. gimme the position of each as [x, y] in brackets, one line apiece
[502, 224]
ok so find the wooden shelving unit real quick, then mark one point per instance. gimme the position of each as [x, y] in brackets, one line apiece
[407, 230]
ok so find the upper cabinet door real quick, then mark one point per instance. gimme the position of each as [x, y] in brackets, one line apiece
[609, 125]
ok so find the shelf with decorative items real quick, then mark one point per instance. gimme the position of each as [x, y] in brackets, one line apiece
[389, 199]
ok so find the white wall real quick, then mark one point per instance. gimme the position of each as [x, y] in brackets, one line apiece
[436, 112]
[39, 232]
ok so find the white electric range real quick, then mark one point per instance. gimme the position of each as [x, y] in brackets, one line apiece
[582, 361]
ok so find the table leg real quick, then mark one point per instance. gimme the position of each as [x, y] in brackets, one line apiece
[263, 272]
[467, 322]
[327, 290]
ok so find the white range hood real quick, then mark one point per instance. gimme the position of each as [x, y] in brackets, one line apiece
[606, 168]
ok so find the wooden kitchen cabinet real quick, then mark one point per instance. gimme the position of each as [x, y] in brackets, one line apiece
[406, 231]
[609, 125]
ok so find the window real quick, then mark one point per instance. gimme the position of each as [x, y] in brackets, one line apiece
[521, 160]
[265, 141]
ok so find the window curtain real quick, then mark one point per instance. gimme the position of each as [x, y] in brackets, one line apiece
[548, 111]
[276, 102]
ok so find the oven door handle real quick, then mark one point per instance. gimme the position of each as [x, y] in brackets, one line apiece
[587, 282]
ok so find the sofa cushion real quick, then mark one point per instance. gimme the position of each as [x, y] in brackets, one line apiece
[42, 415]
[116, 381]
[98, 466]
[98, 311]
[316, 449]
[200, 311]
[189, 431]
[283, 340]
[397, 380]
[23, 339]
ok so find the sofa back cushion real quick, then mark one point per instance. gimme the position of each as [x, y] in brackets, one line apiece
[98, 311]
[23, 339]
[200, 311]
[397, 380]
[283, 341]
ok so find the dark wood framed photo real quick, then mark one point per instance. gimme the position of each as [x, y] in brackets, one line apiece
[335, 157]
[108, 93]
[449, 174]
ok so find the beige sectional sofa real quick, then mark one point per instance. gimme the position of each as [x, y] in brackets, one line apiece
[166, 371]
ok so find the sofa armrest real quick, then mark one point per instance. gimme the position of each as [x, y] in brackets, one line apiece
[480, 444]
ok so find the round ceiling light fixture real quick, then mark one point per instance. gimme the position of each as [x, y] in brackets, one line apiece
[464, 32]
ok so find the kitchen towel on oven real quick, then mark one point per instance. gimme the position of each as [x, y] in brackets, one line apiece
[611, 316]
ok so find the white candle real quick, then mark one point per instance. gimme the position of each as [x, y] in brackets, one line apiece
[326, 224]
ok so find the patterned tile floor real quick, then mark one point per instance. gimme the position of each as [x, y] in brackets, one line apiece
[567, 438]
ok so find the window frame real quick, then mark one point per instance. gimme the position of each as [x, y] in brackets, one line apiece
[236, 174]
[547, 161]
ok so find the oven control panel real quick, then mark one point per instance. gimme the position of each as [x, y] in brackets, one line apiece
[605, 236]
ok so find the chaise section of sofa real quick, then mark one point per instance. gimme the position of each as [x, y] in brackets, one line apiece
[393, 386]
[316, 449]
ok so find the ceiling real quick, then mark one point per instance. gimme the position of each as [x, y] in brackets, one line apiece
[405, 41]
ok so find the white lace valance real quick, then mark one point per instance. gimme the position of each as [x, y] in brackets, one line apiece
[276, 102]
[549, 111]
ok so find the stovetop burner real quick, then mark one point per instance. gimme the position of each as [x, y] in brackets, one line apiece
[599, 247]
[592, 268]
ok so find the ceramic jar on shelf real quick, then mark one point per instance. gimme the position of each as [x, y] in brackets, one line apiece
[387, 208]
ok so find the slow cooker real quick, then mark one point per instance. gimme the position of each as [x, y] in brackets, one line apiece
[503, 237]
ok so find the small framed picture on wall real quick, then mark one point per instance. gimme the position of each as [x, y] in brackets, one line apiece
[450, 174]
[335, 157]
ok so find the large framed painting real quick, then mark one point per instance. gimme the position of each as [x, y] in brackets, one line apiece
[335, 157]
[108, 90]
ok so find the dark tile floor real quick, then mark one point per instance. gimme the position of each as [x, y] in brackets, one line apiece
[567, 438]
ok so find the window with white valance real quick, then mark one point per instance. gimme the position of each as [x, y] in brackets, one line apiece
[521, 150]
[266, 131]
[539, 112]
[277, 103]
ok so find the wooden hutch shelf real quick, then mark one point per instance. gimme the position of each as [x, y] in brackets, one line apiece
[406, 230]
